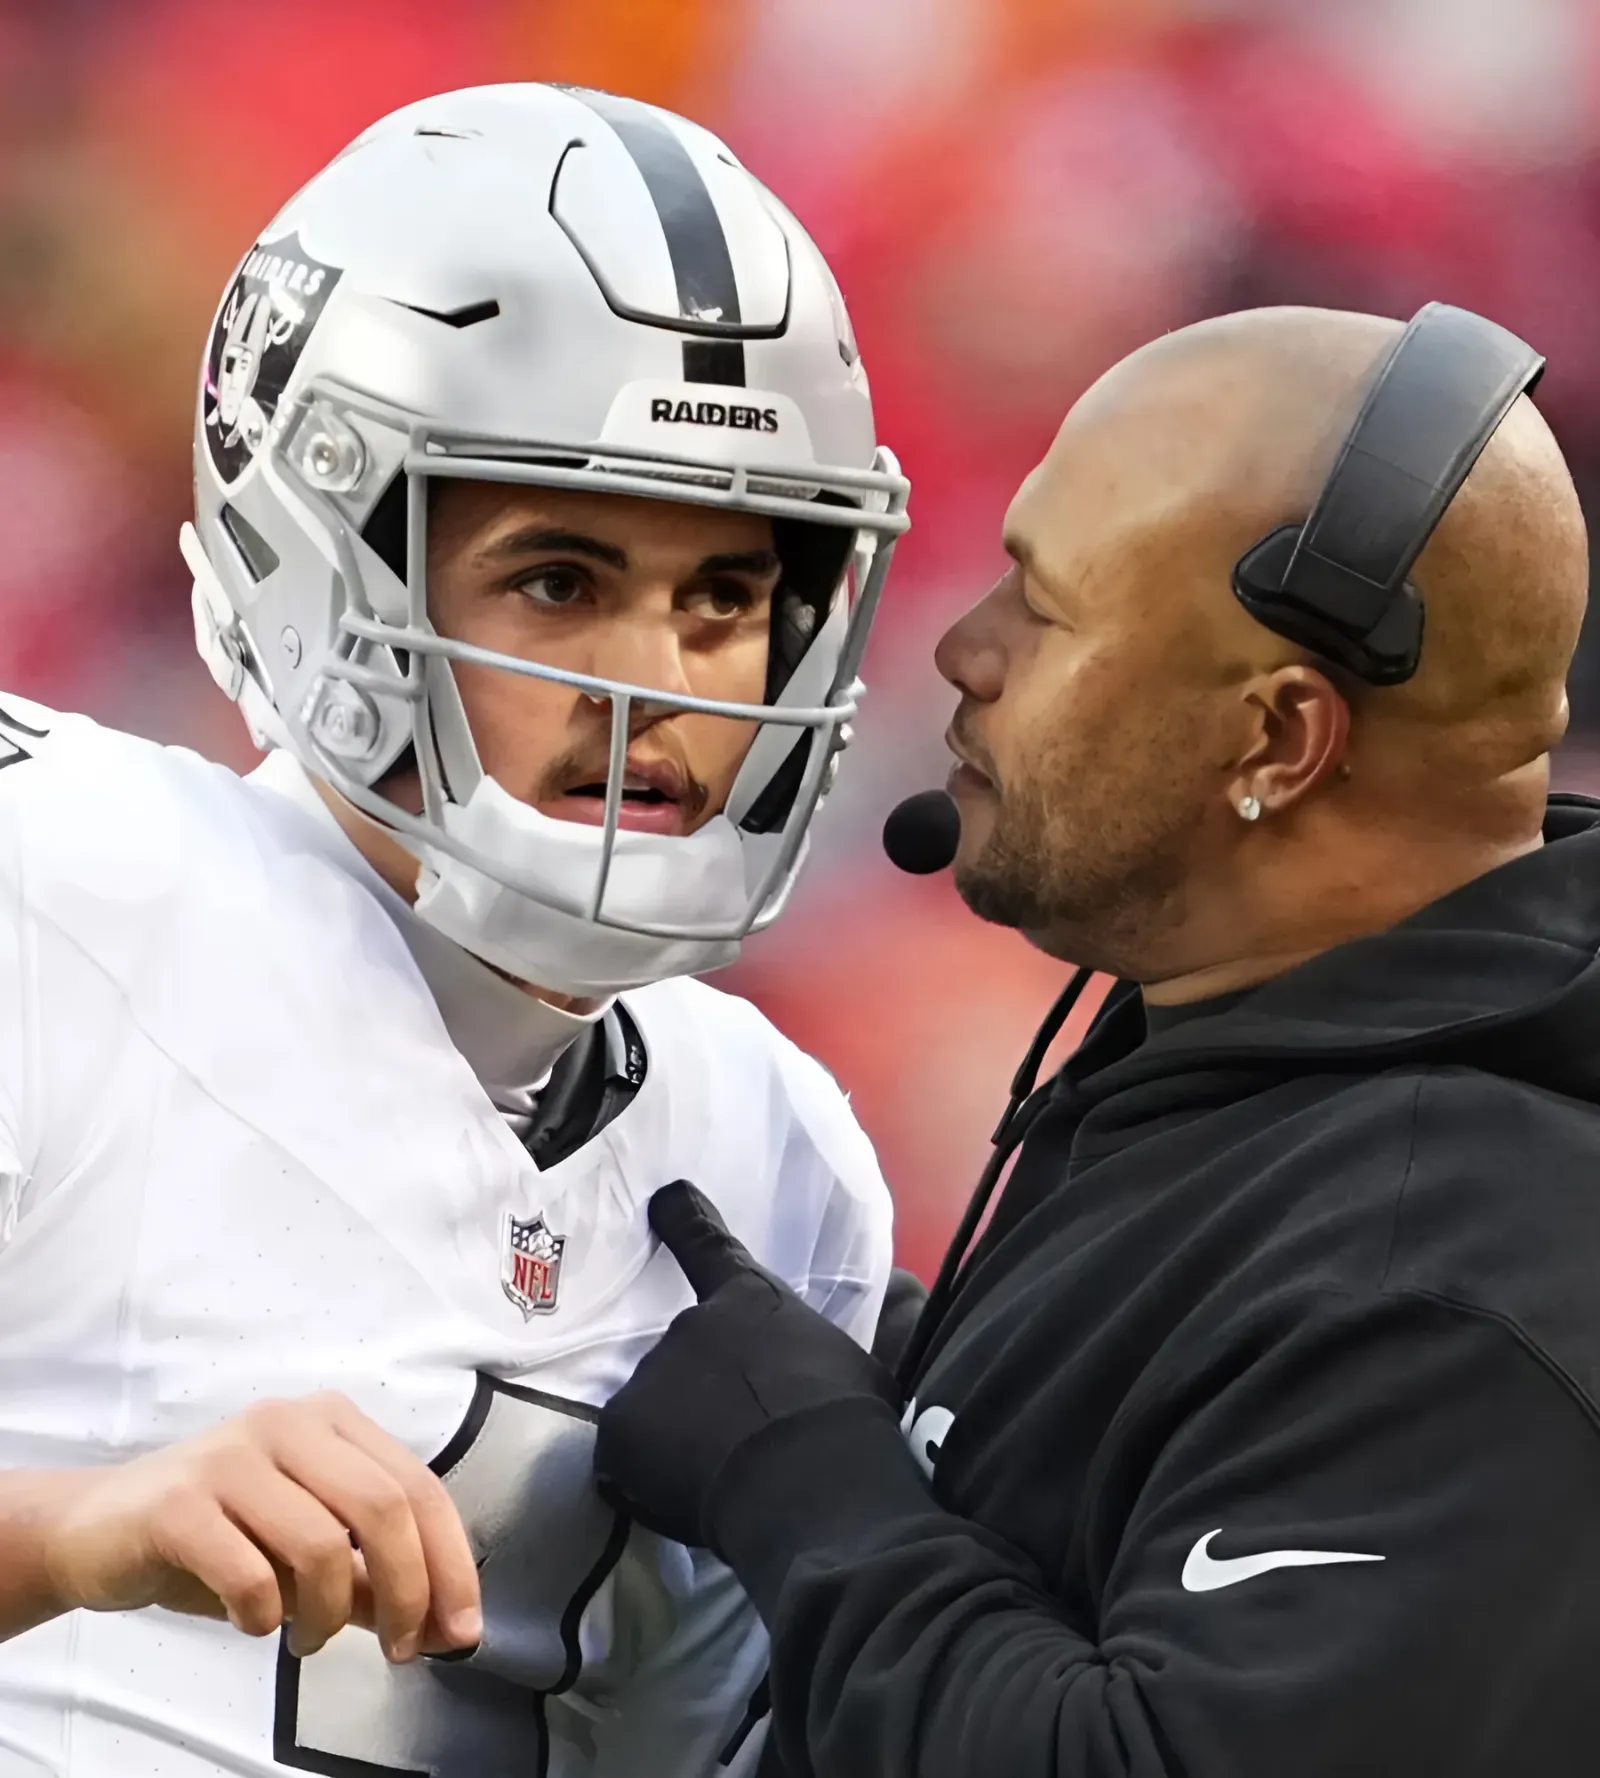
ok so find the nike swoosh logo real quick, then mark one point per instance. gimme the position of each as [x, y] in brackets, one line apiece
[1205, 1573]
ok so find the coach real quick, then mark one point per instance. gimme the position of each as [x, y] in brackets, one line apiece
[1259, 1433]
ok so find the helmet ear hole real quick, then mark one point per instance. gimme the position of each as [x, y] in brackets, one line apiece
[254, 551]
[384, 533]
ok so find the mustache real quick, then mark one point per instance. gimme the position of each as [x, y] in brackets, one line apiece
[963, 739]
[592, 765]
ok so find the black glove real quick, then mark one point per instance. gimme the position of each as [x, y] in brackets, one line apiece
[749, 1356]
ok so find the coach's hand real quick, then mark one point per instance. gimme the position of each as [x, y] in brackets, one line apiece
[749, 1357]
[259, 1521]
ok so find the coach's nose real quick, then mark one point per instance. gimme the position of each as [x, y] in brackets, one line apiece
[972, 654]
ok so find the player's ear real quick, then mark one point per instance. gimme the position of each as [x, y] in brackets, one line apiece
[1301, 733]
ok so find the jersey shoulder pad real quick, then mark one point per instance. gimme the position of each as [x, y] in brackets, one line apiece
[26, 731]
[93, 819]
[749, 1055]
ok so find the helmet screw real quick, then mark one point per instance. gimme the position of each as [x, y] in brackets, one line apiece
[332, 454]
[343, 719]
[291, 645]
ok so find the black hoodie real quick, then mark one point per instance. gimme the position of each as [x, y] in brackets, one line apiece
[1262, 1430]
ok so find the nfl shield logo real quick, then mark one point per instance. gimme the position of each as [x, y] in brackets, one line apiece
[530, 1265]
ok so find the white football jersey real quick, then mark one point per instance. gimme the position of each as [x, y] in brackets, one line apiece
[240, 1157]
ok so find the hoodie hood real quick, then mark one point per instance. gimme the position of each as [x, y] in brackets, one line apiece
[1500, 975]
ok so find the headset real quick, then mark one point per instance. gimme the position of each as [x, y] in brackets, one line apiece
[1337, 584]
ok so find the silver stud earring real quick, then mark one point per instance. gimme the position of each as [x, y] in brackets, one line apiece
[1250, 808]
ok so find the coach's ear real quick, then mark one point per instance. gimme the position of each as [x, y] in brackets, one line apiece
[902, 1304]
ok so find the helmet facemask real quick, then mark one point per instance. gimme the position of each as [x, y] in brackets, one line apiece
[514, 885]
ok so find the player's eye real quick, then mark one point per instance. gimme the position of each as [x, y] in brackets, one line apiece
[725, 598]
[554, 586]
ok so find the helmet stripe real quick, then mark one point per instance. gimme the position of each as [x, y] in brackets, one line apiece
[702, 265]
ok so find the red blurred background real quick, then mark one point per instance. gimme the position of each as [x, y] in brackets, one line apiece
[1013, 193]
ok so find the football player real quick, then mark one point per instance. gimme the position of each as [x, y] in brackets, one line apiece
[540, 522]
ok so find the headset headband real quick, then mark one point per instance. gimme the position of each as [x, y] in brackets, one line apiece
[1337, 585]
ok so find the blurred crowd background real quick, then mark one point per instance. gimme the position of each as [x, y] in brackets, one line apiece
[1013, 193]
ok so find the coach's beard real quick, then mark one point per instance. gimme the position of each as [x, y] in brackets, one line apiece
[1084, 885]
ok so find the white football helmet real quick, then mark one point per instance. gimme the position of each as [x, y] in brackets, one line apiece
[534, 284]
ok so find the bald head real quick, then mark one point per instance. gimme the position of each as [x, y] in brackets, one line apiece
[1121, 702]
[1223, 431]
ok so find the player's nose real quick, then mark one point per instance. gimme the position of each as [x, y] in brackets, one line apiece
[642, 650]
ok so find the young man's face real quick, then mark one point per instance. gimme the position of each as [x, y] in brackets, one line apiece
[673, 597]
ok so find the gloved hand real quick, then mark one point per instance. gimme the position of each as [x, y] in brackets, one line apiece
[748, 1357]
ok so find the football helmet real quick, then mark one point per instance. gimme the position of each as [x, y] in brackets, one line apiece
[543, 285]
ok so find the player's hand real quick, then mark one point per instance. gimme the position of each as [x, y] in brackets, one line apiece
[302, 1512]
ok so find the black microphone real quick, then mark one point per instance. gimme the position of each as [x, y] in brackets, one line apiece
[922, 833]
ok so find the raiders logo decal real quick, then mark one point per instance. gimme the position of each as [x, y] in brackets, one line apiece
[267, 317]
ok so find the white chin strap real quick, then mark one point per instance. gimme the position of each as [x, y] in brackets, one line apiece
[661, 880]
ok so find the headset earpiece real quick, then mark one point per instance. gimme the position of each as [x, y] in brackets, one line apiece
[1337, 585]
[1384, 650]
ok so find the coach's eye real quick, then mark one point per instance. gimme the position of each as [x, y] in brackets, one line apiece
[554, 586]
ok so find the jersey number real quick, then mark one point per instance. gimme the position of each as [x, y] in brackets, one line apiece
[12, 751]
[520, 1472]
